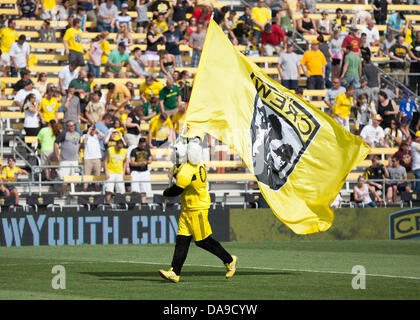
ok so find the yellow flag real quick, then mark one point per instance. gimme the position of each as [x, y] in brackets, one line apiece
[299, 155]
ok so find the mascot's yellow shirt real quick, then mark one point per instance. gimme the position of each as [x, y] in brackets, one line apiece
[193, 179]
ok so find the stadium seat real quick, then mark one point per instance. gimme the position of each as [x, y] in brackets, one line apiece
[251, 200]
[128, 200]
[40, 201]
[91, 201]
[159, 200]
[7, 202]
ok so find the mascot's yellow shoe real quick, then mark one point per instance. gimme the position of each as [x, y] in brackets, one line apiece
[231, 267]
[169, 275]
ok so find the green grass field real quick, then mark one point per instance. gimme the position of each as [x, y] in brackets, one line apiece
[270, 270]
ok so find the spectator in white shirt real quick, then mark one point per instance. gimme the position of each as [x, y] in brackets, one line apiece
[66, 75]
[19, 55]
[372, 34]
[106, 14]
[92, 154]
[22, 93]
[123, 17]
[333, 92]
[373, 134]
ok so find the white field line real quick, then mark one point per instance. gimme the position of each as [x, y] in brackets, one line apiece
[279, 269]
[216, 266]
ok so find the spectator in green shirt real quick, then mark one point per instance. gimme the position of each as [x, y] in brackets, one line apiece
[117, 59]
[46, 138]
[352, 68]
[169, 97]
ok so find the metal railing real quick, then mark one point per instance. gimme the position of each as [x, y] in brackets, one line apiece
[16, 152]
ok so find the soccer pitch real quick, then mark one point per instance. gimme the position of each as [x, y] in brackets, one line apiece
[268, 270]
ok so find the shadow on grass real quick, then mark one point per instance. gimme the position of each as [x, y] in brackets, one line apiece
[154, 276]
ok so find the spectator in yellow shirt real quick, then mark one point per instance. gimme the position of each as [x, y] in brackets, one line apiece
[73, 43]
[150, 88]
[342, 107]
[118, 97]
[313, 64]
[48, 10]
[115, 165]
[260, 15]
[160, 131]
[178, 119]
[10, 174]
[49, 107]
[8, 35]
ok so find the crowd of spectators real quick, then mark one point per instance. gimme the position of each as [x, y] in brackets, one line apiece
[102, 120]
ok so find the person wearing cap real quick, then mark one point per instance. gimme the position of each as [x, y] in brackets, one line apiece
[118, 58]
[140, 158]
[406, 109]
[415, 167]
[123, 18]
[353, 40]
[373, 134]
[313, 64]
[288, 67]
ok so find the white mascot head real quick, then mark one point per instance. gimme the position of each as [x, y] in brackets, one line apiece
[188, 147]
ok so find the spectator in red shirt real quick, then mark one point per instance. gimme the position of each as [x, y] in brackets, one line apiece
[271, 39]
[405, 156]
[201, 14]
[352, 39]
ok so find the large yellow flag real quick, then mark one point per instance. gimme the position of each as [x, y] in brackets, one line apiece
[298, 154]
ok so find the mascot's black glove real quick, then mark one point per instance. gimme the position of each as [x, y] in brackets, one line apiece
[173, 191]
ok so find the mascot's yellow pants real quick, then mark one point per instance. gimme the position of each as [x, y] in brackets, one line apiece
[194, 223]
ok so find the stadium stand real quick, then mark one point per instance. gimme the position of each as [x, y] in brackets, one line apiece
[230, 181]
